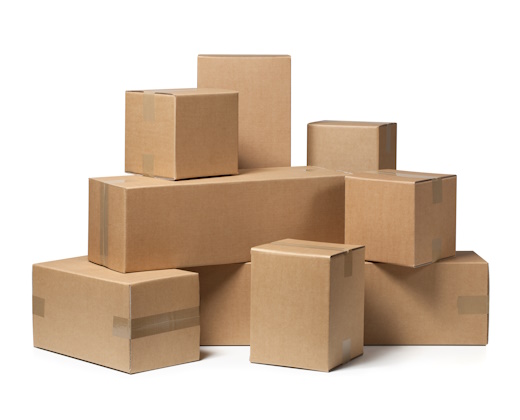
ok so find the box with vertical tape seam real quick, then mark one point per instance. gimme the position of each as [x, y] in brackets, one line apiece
[403, 218]
[129, 322]
[307, 304]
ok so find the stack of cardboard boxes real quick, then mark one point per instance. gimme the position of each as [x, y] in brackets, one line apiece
[217, 241]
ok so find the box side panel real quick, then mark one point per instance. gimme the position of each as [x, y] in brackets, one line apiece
[198, 225]
[387, 146]
[165, 324]
[225, 304]
[106, 228]
[422, 306]
[380, 215]
[347, 296]
[264, 86]
[74, 315]
[435, 213]
[206, 141]
[290, 310]
[149, 134]
[343, 148]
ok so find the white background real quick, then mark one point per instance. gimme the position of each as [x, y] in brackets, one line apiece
[447, 73]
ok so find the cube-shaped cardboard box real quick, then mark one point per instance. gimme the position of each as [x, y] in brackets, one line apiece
[182, 133]
[351, 146]
[445, 303]
[402, 218]
[307, 304]
[129, 322]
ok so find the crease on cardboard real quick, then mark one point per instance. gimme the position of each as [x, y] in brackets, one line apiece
[149, 105]
[437, 190]
[388, 138]
[38, 306]
[148, 164]
[345, 350]
[103, 223]
[473, 305]
[436, 249]
[155, 324]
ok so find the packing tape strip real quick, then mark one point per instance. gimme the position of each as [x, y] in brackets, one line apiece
[437, 190]
[388, 138]
[149, 105]
[345, 350]
[436, 249]
[38, 306]
[148, 165]
[155, 324]
[103, 223]
[473, 305]
[394, 172]
[347, 264]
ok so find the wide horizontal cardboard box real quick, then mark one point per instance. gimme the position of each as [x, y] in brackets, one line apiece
[264, 85]
[129, 322]
[403, 218]
[140, 223]
[442, 303]
[351, 146]
[225, 304]
[306, 304]
[182, 133]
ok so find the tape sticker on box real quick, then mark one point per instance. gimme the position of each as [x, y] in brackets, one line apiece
[38, 306]
[473, 305]
[149, 105]
[148, 165]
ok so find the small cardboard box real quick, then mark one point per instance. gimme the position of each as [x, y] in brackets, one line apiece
[306, 304]
[351, 146]
[129, 322]
[264, 85]
[138, 223]
[442, 303]
[403, 218]
[181, 133]
[225, 304]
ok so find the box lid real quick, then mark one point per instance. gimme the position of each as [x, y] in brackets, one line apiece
[398, 176]
[310, 248]
[245, 55]
[185, 92]
[358, 124]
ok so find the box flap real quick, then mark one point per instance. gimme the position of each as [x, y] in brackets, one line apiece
[398, 176]
[311, 248]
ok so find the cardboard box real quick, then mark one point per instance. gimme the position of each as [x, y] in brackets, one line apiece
[182, 133]
[225, 304]
[306, 304]
[264, 85]
[129, 322]
[403, 218]
[139, 223]
[351, 146]
[442, 303]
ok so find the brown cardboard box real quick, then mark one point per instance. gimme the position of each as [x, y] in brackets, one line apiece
[264, 85]
[225, 304]
[403, 218]
[442, 303]
[129, 322]
[139, 223]
[351, 146]
[182, 133]
[306, 304]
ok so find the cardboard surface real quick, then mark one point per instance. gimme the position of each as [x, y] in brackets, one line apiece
[403, 218]
[264, 86]
[351, 146]
[442, 303]
[306, 304]
[225, 304]
[139, 223]
[181, 133]
[129, 322]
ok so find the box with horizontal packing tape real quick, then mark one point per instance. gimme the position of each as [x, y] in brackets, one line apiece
[352, 146]
[225, 304]
[129, 322]
[264, 86]
[139, 223]
[181, 133]
[403, 218]
[442, 303]
[307, 304]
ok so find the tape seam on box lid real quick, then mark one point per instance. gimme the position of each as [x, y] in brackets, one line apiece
[155, 324]
[103, 223]
[38, 306]
[149, 105]
[437, 190]
[473, 305]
